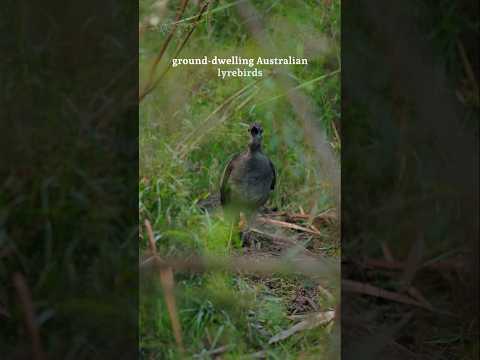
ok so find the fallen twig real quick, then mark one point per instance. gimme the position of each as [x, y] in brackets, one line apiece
[281, 240]
[214, 352]
[367, 289]
[325, 293]
[288, 225]
[416, 294]
[312, 322]
[412, 291]
[329, 214]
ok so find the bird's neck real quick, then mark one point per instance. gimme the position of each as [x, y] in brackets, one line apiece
[254, 147]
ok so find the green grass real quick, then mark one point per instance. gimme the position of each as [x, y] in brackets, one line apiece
[185, 141]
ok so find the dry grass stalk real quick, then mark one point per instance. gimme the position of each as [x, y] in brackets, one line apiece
[153, 84]
[327, 294]
[197, 134]
[168, 285]
[151, 238]
[167, 282]
[313, 321]
[148, 86]
[26, 303]
[468, 70]
[184, 41]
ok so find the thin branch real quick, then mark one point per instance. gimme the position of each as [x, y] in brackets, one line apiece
[288, 225]
[147, 87]
[153, 85]
[207, 124]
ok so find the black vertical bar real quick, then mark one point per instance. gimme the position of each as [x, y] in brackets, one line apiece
[68, 180]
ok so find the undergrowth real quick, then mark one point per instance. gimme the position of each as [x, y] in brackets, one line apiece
[184, 145]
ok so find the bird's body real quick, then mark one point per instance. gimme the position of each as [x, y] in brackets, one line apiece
[249, 177]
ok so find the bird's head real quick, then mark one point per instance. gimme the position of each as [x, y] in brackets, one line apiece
[256, 132]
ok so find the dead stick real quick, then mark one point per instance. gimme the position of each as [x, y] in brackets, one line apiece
[199, 16]
[151, 239]
[288, 225]
[167, 282]
[367, 289]
[27, 305]
[159, 56]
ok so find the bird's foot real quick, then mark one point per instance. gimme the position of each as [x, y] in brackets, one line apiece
[248, 240]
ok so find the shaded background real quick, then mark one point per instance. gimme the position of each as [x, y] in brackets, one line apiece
[410, 180]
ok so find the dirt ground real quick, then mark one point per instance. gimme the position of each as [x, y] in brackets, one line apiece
[280, 234]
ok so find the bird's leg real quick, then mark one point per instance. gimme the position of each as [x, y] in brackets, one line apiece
[247, 220]
[243, 227]
[242, 222]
